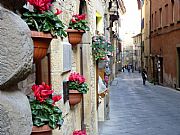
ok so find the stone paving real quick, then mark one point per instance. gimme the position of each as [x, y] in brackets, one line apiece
[137, 109]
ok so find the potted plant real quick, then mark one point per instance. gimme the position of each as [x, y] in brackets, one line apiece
[77, 86]
[101, 47]
[44, 25]
[45, 114]
[77, 26]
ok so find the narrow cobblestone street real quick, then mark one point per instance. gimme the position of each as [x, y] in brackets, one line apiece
[136, 109]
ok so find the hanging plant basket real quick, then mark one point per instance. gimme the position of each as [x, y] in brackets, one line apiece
[43, 130]
[101, 64]
[41, 42]
[74, 36]
[74, 97]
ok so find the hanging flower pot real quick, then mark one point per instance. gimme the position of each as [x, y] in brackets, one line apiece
[77, 86]
[74, 36]
[102, 64]
[41, 42]
[74, 97]
[43, 130]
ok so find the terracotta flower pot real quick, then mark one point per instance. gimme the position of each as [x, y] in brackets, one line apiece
[74, 36]
[74, 97]
[41, 42]
[43, 130]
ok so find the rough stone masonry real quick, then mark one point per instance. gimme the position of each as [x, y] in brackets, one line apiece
[16, 57]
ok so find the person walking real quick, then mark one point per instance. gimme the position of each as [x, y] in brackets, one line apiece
[144, 76]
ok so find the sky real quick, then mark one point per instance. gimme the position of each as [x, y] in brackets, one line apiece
[130, 21]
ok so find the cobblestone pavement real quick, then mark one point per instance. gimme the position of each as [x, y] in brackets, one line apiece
[136, 109]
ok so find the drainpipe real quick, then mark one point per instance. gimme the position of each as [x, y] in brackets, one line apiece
[150, 39]
[82, 105]
[150, 27]
[141, 42]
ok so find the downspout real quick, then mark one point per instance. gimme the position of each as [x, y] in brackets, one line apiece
[150, 49]
[141, 41]
[150, 58]
[82, 105]
[150, 28]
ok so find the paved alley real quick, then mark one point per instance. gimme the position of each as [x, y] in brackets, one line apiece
[136, 109]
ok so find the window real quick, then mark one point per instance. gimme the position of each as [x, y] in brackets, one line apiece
[142, 23]
[155, 20]
[142, 46]
[172, 11]
[43, 70]
[166, 14]
[179, 9]
[67, 57]
[152, 22]
[160, 17]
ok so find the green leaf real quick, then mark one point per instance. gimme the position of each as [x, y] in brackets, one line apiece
[46, 27]
[36, 25]
[53, 118]
[43, 118]
[38, 122]
[52, 125]
[38, 107]
[34, 112]
[49, 101]
[48, 109]
[60, 122]
[57, 110]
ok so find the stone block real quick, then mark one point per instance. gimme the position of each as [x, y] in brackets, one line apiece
[16, 49]
[15, 113]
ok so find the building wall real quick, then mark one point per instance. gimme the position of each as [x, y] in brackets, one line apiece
[137, 51]
[165, 33]
[73, 116]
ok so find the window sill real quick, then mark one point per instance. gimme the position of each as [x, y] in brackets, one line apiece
[172, 24]
[165, 26]
[159, 28]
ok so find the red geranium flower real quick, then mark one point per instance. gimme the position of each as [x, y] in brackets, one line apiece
[77, 78]
[79, 132]
[41, 5]
[58, 11]
[56, 98]
[42, 92]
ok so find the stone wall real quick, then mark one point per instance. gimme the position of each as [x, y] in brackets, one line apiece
[72, 116]
[16, 55]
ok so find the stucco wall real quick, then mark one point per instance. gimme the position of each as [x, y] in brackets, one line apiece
[72, 116]
[165, 37]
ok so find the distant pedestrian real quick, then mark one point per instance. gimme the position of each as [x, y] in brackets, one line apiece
[144, 76]
[123, 68]
[132, 69]
[128, 68]
[139, 70]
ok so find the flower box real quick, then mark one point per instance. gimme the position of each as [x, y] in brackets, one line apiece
[74, 36]
[43, 130]
[74, 97]
[41, 43]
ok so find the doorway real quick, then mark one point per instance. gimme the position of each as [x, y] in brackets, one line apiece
[178, 66]
[160, 70]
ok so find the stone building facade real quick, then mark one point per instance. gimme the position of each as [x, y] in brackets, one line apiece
[62, 59]
[165, 40]
[137, 51]
[145, 30]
